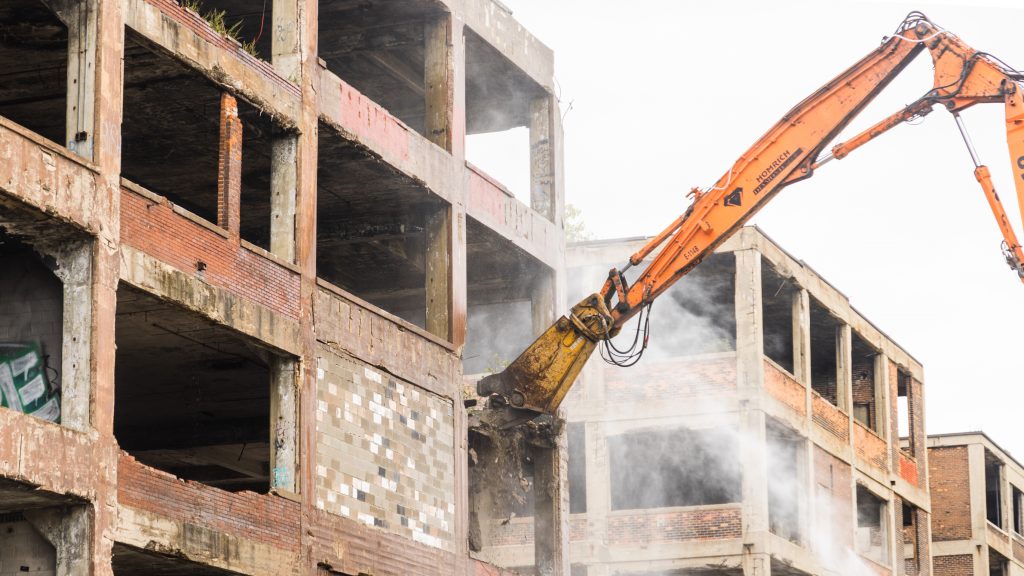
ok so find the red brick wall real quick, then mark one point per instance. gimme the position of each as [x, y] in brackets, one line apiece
[870, 446]
[950, 492]
[175, 240]
[261, 518]
[830, 418]
[784, 388]
[670, 380]
[960, 565]
[675, 526]
[832, 477]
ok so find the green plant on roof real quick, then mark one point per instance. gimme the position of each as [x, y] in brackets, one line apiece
[217, 19]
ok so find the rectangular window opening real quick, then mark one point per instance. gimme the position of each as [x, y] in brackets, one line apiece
[778, 295]
[196, 399]
[784, 489]
[865, 384]
[34, 58]
[872, 538]
[692, 467]
[905, 412]
[824, 352]
[1018, 510]
[993, 490]
[998, 565]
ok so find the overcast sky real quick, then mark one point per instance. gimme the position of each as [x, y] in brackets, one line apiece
[660, 96]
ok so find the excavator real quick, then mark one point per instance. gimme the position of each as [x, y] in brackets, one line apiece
[535, 383]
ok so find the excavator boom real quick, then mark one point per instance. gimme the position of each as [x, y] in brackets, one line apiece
[538, 380]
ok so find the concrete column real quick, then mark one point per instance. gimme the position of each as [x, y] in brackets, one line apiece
[979, 522]
[844, 374]
[749, 321]
[598, 475]
[284, 423]
[542, 164]
[283, 179]
[459, 290]
[284, 43]
[439, 80]
[542, 300]
[438, 272]
[82, 20]
[68, 530]
[551, 508]
[802, 338]
[229, 174]
[884, 409]
[74, 268]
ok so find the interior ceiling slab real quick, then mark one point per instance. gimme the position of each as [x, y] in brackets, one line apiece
[498, 93]
[497, 270]
[176, 368]
[17, 497]
[33, 55]
[131, 561]
[370, 224]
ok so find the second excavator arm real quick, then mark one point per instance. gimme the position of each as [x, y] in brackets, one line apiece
[538, 380]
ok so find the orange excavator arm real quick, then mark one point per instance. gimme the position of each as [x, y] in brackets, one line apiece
[537, 381]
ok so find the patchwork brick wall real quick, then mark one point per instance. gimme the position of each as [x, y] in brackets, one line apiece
[834, 496]
[870, 446]
[385, 451]
[950, 492]
[830, 418]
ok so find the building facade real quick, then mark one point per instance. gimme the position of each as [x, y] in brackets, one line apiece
[977, 506]
[760, 434]
[242, 253]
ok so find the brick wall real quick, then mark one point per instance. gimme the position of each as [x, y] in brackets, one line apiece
[31, 305]
[156, 229]
[670, 380]
[784, 388]
[870, 446]
[832, 479]
[830, 418]
[862, 389]
[262, 518]
[385, 451]
[959, 565]
[675, 525]
[950, 492]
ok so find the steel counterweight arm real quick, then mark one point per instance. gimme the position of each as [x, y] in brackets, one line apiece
[538, 380]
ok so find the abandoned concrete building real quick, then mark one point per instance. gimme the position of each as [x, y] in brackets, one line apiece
[977, 506]
[759, 435]
[242, 251]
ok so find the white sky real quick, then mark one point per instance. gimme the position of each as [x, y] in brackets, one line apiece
[667, 94]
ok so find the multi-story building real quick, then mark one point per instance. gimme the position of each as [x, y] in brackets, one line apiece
[240, 246]
[977, 493]
[760, 434]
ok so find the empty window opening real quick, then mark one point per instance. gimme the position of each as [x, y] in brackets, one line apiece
[905, 411]
[34, 57]
[193, 398]
[503, 282]
[993, 489]
[784, 489]
[910, 518]
[865, 384]
[998, 565]
[176, 143]
[824, 353]
[698, 314]
[31, 330]
[872, 538]
[1018, 510]
[379, 48]
[23, 550]
[131, 561]
[679, 467]
[508, 123]
[374, 228]
[249, 23]
[577, 438]
[778, 295]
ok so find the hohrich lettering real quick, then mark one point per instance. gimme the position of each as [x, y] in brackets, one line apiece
[772, 171]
